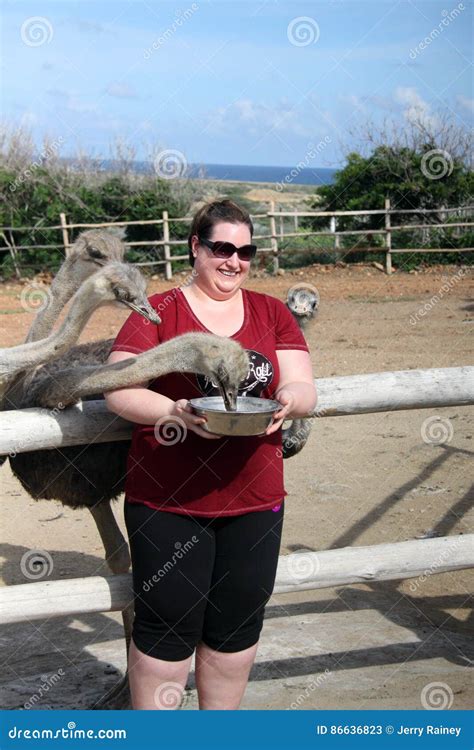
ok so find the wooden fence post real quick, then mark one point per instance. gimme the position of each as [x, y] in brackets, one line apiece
[337, 243]
[166, 236]
[388, 238]
[273, 239]
[65, 234]
[295, 219]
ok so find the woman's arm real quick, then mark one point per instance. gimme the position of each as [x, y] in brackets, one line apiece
[138, 404]
[296, 390]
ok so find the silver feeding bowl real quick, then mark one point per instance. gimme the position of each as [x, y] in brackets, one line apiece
[252, 416]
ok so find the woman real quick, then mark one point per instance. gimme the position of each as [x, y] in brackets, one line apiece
[204, 513]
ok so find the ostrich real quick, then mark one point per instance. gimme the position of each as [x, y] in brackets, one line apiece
[116, 282]
[303, 302]
[91, 250]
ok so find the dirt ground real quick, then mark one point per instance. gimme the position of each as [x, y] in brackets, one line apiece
[360, 481]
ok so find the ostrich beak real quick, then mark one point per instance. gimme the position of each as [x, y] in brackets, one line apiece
[229, 395]
[145, 309]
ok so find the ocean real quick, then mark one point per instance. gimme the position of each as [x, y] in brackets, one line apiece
[235, 172]
[245, 173]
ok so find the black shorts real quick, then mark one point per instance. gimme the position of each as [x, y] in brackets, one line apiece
[200, 579]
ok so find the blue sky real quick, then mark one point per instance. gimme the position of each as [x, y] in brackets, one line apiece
[253, 82]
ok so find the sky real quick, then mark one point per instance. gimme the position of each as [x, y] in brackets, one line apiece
[257, 82]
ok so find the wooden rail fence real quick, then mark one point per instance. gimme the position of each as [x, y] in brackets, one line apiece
[272, 241]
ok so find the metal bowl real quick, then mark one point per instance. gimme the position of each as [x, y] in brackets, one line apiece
[252, 416]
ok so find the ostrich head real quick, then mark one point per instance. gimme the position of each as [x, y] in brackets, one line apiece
[91, 250]
[303, 302]
[119, 282]
[225, 363]
[97, 246]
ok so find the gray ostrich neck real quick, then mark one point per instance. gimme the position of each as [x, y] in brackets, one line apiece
[35, 353]
[183, 354]
[62, 289]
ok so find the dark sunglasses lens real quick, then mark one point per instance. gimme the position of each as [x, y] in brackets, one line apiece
[227, 249]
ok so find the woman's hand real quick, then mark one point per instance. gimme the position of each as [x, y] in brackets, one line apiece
[183, 410]
[287, 400]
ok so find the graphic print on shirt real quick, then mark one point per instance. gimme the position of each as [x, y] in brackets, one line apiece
[259, 377]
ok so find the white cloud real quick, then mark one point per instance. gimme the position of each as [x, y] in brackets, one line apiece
[465, 102]
[121, 90]
[416, 109]
[256, 119]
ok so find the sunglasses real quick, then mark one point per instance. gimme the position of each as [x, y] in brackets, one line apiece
[226, 249]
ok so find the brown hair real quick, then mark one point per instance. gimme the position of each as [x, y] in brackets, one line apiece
[213, 213]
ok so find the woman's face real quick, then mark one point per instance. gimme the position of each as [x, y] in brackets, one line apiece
[222, 277]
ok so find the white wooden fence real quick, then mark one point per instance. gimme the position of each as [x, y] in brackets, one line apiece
[36, 429]
[272, 241]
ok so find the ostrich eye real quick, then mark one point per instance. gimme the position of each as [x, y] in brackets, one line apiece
[94, 253]
[121, 294]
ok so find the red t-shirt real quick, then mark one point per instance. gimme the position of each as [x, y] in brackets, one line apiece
[225, 477]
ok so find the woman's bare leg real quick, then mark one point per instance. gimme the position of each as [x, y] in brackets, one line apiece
[156, 684]
[221, 678]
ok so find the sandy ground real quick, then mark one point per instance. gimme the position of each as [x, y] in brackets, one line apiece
[360, 480]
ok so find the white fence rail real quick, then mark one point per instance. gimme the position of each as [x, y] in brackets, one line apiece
[36, 429]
